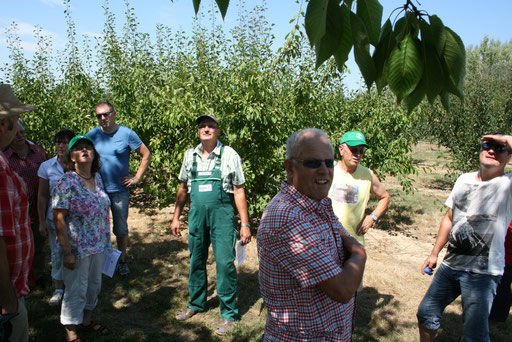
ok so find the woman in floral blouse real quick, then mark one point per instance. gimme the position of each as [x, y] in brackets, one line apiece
[81, 215]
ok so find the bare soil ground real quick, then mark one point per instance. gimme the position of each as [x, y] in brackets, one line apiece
[142, 306]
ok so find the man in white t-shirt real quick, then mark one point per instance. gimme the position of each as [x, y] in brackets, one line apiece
[474, 228]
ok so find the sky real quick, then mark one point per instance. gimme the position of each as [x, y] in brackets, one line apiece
[471, 19]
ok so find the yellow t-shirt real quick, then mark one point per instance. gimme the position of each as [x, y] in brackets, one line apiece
[350, 194]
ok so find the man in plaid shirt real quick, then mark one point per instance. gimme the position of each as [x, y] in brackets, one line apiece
[16, 242]
[310, 267]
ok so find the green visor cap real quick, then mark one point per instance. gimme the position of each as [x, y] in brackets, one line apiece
[354, 138]
[77, 139]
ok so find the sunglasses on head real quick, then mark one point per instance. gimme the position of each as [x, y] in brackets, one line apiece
[356, 149]
[486, 146]
[316, 163]
[106, 114]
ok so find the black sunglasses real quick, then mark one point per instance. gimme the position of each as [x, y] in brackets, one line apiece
[356, 149]
[495, 147]
[316, 163]
[212, 126]
[106, 114]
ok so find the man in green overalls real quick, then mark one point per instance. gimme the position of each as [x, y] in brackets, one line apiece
[212, 174]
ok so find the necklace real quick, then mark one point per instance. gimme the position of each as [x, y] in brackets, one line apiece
[86, 178]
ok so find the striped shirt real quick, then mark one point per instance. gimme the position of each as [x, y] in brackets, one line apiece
[15, 227]
[300, 246]
[231, 166]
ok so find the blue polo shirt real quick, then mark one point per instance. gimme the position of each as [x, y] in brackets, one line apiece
[114, 149]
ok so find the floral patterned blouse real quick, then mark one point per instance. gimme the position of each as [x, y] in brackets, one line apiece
[88, 214]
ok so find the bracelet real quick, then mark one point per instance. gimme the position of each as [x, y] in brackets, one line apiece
[246, 225]
[374, 217]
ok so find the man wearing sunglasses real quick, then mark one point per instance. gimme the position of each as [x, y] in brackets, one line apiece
[310, 267]
[114, 144]
[475, 226]
[352, 185]
[212, 174]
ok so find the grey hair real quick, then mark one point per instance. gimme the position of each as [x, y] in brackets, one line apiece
[293, 142]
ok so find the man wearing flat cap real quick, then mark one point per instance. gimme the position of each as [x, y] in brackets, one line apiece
[16, 240]
[351, 187]
[212, 174]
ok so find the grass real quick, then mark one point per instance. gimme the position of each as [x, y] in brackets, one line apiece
[142, 306]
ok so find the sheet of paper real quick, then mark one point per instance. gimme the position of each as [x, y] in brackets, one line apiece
[240, 253]
[110, 258]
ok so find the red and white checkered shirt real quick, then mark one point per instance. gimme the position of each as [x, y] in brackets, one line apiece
[300, 246]
[15, 227]
[27, 168]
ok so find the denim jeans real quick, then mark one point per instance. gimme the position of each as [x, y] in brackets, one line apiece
[477, 291]
[119, 202]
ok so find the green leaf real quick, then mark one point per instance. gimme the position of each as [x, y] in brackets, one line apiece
[445, 99]
[359, 33]
[365, 63]
[454, 55]
[383, 48]
[196, 5]
[341, 55]
[316, 20]
[405, 67]
[382, 80]
[370, 12]
[413, 99]
[330, 42]
[223, 6]
[433, 74]
[400, 29]
[438, 33]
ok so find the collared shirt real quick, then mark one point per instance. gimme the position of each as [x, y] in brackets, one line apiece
[15, 227]
[27, 168]
[300, 246]
[231, 166]
[51, 170]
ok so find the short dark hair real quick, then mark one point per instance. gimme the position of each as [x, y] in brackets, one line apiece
[64, 134]
[69, 165]
[108, 104]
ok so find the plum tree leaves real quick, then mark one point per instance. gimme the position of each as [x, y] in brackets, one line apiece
[417, 56]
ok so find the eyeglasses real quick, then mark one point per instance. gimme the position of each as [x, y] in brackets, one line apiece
[356, 149]
[316, 163]
[212, 126]
[106, 114]
[486, 146]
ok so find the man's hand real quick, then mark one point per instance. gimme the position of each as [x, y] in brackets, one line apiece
[69, 261]
[366, 224]
[353, 248]
[130, 181]
[43, 229]
[245, 235]
[175, 228]
[431, 262]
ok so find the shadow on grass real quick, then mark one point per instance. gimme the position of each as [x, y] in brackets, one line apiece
[376, 316]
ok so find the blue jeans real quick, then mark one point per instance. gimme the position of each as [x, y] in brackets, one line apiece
[119, 202]
[477, 291]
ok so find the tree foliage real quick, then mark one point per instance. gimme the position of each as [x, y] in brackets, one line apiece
[487, 105]
[417, 55]
[160, 87]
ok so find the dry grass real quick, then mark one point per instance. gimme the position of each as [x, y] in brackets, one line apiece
[142, 306]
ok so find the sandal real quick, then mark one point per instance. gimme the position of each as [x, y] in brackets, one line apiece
[185, 314]
[96, 327]
[224, 327]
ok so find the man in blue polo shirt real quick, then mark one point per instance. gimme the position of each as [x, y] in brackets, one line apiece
[115, 143]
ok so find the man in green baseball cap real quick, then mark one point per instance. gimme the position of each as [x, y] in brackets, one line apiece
[351, 187]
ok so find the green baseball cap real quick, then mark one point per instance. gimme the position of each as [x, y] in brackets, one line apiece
[354, 138]
[76, 139]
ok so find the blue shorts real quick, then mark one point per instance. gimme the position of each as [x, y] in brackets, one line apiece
[119, 202]
[503, 300]
[477, 292]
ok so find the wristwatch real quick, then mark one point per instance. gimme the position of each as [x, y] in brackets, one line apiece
[246, 225]
[374, 217]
